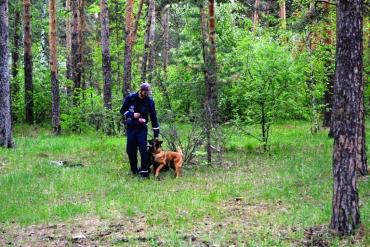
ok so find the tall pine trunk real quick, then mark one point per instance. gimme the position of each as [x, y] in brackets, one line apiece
[69, 40]
[81, 39]
[128, 47]
[347, 114]
[206, 58]
[5, 116]
[282, 14]
[256, 15]
[149, 41]
[104, 19]
[75, 56]
[15, 52]
[130, 31]
[166, 44]
[28, 83]
[44, 39]
[151, 56]
[54, 68]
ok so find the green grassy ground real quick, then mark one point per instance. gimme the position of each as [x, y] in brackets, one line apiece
[281, 198]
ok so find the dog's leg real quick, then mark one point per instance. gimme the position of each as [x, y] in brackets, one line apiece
[159, 169]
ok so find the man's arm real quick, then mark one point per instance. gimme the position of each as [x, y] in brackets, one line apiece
[125, 108]
[153, 118]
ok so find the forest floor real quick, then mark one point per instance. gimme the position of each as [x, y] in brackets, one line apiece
[279, 198]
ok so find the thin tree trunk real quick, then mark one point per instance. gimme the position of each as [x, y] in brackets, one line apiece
[69, 40]
[5, 115]
[54, 67]
[81, 39]
[206, 57]
[104, 19]
[347, 113]
[282, 14]
[128, 47]
[166, 45]
[75, 56]
[28, 61]
[44, 39]
[151, 57]
[212, 66]
[256, 15]
[130, 31]
[15, 53]
[147, 41]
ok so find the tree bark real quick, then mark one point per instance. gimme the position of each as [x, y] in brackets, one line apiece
[5, 115]
[104, 19]
[206, 58]
[282, 14]
[128, 48]
[151, 58]
[130, 31]
[81, 39]
[15, 52]
[148, 42]
[54, 68]
[166, 45]
[75, 56]
[347, 89]
[69, 40]
[256, 15]
[212, 66]
[28, 61]
[44, 39]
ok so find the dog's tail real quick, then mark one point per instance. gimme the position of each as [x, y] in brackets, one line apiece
[178, 149]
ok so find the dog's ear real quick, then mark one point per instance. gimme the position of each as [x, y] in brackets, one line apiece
[160, 142]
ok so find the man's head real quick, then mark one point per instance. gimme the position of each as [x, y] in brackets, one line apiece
[145, 90]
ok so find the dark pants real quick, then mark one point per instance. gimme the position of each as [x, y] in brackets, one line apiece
[137, 137]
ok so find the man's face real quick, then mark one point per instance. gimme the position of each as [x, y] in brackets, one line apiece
[144, 93]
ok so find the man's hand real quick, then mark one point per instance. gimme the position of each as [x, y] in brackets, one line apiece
[136, 115]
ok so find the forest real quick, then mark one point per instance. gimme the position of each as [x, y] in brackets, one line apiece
[264, 102]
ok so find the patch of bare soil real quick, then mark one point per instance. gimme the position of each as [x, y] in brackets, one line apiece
[320, 236]
[80, 232]
[232, 229]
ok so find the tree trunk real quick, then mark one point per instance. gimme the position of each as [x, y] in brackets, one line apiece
[347, 114]
[206, 58]
[148, 42]
[256, 15]
[166, 45]
[44, 39]
[81, 39]
[151, 58]
[282, 14]
[5, 116]
[15, 53]
[28, 83]
[128, 48]
[212, 66]
[75, 56]
[69, 40]
[54, 68]
[130, 31]
[104, 18]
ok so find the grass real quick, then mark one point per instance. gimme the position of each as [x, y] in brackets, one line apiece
[254, 199]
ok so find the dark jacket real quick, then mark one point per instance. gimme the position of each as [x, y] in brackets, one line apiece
[145, 107]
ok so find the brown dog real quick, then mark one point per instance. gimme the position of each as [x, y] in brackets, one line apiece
[164, 158]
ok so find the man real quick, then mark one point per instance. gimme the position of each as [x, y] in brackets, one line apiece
[136, 109]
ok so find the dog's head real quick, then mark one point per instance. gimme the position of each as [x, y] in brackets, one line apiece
[155, 145]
